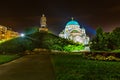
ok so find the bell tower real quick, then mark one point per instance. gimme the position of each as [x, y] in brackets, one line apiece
[43, 24]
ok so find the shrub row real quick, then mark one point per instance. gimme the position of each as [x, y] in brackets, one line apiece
[103, 56]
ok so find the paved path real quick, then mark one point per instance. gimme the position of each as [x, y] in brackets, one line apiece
[30, 67]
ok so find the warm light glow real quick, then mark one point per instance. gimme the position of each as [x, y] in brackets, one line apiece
[6, 34]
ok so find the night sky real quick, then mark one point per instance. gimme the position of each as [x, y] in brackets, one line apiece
[20, 14]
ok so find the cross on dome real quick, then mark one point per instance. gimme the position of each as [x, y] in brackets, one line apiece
[72, 18]
[72, 22]
[43, 15]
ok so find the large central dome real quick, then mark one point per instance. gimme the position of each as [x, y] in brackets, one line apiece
[72, 22]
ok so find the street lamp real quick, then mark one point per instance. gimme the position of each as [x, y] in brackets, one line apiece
[22, 35]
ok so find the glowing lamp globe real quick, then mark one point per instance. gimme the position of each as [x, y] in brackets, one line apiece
[22, 35]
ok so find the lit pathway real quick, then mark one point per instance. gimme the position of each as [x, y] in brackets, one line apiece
[30, 67]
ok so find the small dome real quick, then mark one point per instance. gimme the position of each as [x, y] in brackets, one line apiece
[72, 22]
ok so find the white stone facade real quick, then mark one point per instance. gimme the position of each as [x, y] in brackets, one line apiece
[73, 32]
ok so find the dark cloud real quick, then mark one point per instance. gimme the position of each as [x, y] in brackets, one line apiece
[20, 14]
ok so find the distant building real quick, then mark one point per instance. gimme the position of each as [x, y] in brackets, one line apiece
[43, 24]
[6, 33]
[74, 32]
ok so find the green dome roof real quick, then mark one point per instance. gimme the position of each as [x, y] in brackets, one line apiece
[72, 22]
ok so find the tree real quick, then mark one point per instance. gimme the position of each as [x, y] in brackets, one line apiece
[115, 38]
[99, 31]
[97, 40]
[106, 41]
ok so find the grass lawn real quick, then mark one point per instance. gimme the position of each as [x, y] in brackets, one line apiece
[75, 67]
[7, 58]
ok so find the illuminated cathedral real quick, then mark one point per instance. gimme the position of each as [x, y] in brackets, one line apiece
[73, 31]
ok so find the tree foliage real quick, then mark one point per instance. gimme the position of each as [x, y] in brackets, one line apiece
[70, 48]
[106, 41]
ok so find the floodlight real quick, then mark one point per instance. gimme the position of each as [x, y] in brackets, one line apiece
[22, 35]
